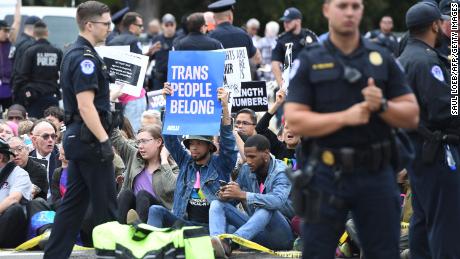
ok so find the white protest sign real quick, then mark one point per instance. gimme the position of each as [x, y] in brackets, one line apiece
[156, 100]
[287, 65]
[129, 68]
[236, 69]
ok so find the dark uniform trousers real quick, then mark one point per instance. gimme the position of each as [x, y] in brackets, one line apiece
[89, 180]
[435, 225]
[373, 199]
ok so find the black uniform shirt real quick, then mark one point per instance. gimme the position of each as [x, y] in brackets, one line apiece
[83, 70]
[444, 50]
[233, 37]
[197, 41]
[161, 56]
[430, 80]
[318, 81]
[40, 69]
[22, 44]
[388, 41]
[127, 38]
[305, 37]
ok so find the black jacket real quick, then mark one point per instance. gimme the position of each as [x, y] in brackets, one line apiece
[53, 163]
[39, 71]
[22, 44]
[127, 38]
[37, 174]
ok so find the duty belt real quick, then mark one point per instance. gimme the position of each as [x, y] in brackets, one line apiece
[373, 157]
[438, 135]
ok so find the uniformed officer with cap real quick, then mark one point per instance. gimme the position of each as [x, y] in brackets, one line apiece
[85, 89]
[116, 20]
[444, 42]
[229, 35]
[294, 37]
[345, 96]
[132, 27]
[435, 175]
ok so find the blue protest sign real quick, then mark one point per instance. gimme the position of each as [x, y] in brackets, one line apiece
[193, 108]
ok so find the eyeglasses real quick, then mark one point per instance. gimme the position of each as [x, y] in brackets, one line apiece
[12, 118]
[46, 136]
[139, 25]
[5, 29]
[107, 24]
[143, 141]
[17, 149]
[244, 123]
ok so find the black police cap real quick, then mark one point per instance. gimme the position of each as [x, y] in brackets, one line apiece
[221, 6]
[4, 24]
[290, 14]
[31, 20]
[116, 17]
[423, 13]
[444, 6]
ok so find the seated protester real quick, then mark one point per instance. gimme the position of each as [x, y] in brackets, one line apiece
[263, 188]
[37, 172]
[6, 132]
[245, 123]
[58, 185]
[44, 140]
[280, 149]
[16, 113]
[200, 172]
[55, 115]
[150, 178]
[15, 189]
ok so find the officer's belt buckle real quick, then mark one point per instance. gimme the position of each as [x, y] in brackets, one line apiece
[328, 158]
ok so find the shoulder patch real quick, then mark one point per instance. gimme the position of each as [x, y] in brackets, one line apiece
[436, 71]
[87, 67]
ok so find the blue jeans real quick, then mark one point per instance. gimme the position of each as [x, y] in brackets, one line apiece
[161, 217]
[133, 111]
[373, 199]
[265, 227]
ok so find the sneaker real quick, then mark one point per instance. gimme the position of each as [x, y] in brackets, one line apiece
[132, 217]
[221, 248]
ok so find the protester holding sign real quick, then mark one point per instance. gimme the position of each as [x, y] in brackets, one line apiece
[200, 172]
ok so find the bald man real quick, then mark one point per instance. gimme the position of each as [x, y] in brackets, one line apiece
[44, 140]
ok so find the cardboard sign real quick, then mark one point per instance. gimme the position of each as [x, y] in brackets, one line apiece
[253, 96]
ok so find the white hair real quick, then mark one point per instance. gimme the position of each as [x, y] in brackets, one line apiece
[151, 114]
[271, 29]
[253, 22]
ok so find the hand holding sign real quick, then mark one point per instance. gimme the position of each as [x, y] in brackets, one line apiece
[167, 89]
[280, 96]
[223, 95]
[372, 95]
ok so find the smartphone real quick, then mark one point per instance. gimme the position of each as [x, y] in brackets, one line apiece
[222, 183]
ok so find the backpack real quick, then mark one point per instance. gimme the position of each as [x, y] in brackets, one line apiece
[114, 240]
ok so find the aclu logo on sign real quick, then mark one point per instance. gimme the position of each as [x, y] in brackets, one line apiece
[173, 128]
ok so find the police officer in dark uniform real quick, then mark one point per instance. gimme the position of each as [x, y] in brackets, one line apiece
[294, 37]
[196, 39]
[25, 40]
[345, 96]
[435, 175]
[163, 43]
[116, 20]
[132, 26]
[384, 36]
[38, 76]
[85, 87]
[229, 35]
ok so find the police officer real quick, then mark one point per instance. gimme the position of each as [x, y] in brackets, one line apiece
[384, 35]
[444, 44]
[294, 37]
[163, 43]
[435, 176]
[24, 41]
[345, 96]
[229, 35]
[85, 87]
[37, 84]
[132, 26]
[196, 38]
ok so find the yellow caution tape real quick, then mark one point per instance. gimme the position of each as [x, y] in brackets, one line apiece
[29, 244]
[404, 225]
[255, 246]
[343, 238]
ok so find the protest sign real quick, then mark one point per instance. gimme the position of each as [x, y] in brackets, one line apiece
[287, 65]
[236, 70]
[253, 96]
[156, 100]
[193, 107]
[127, 67]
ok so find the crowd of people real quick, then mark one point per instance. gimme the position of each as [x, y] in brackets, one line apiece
[347, 92]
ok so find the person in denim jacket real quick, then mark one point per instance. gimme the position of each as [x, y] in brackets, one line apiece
[199, 174]
[263, 188]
